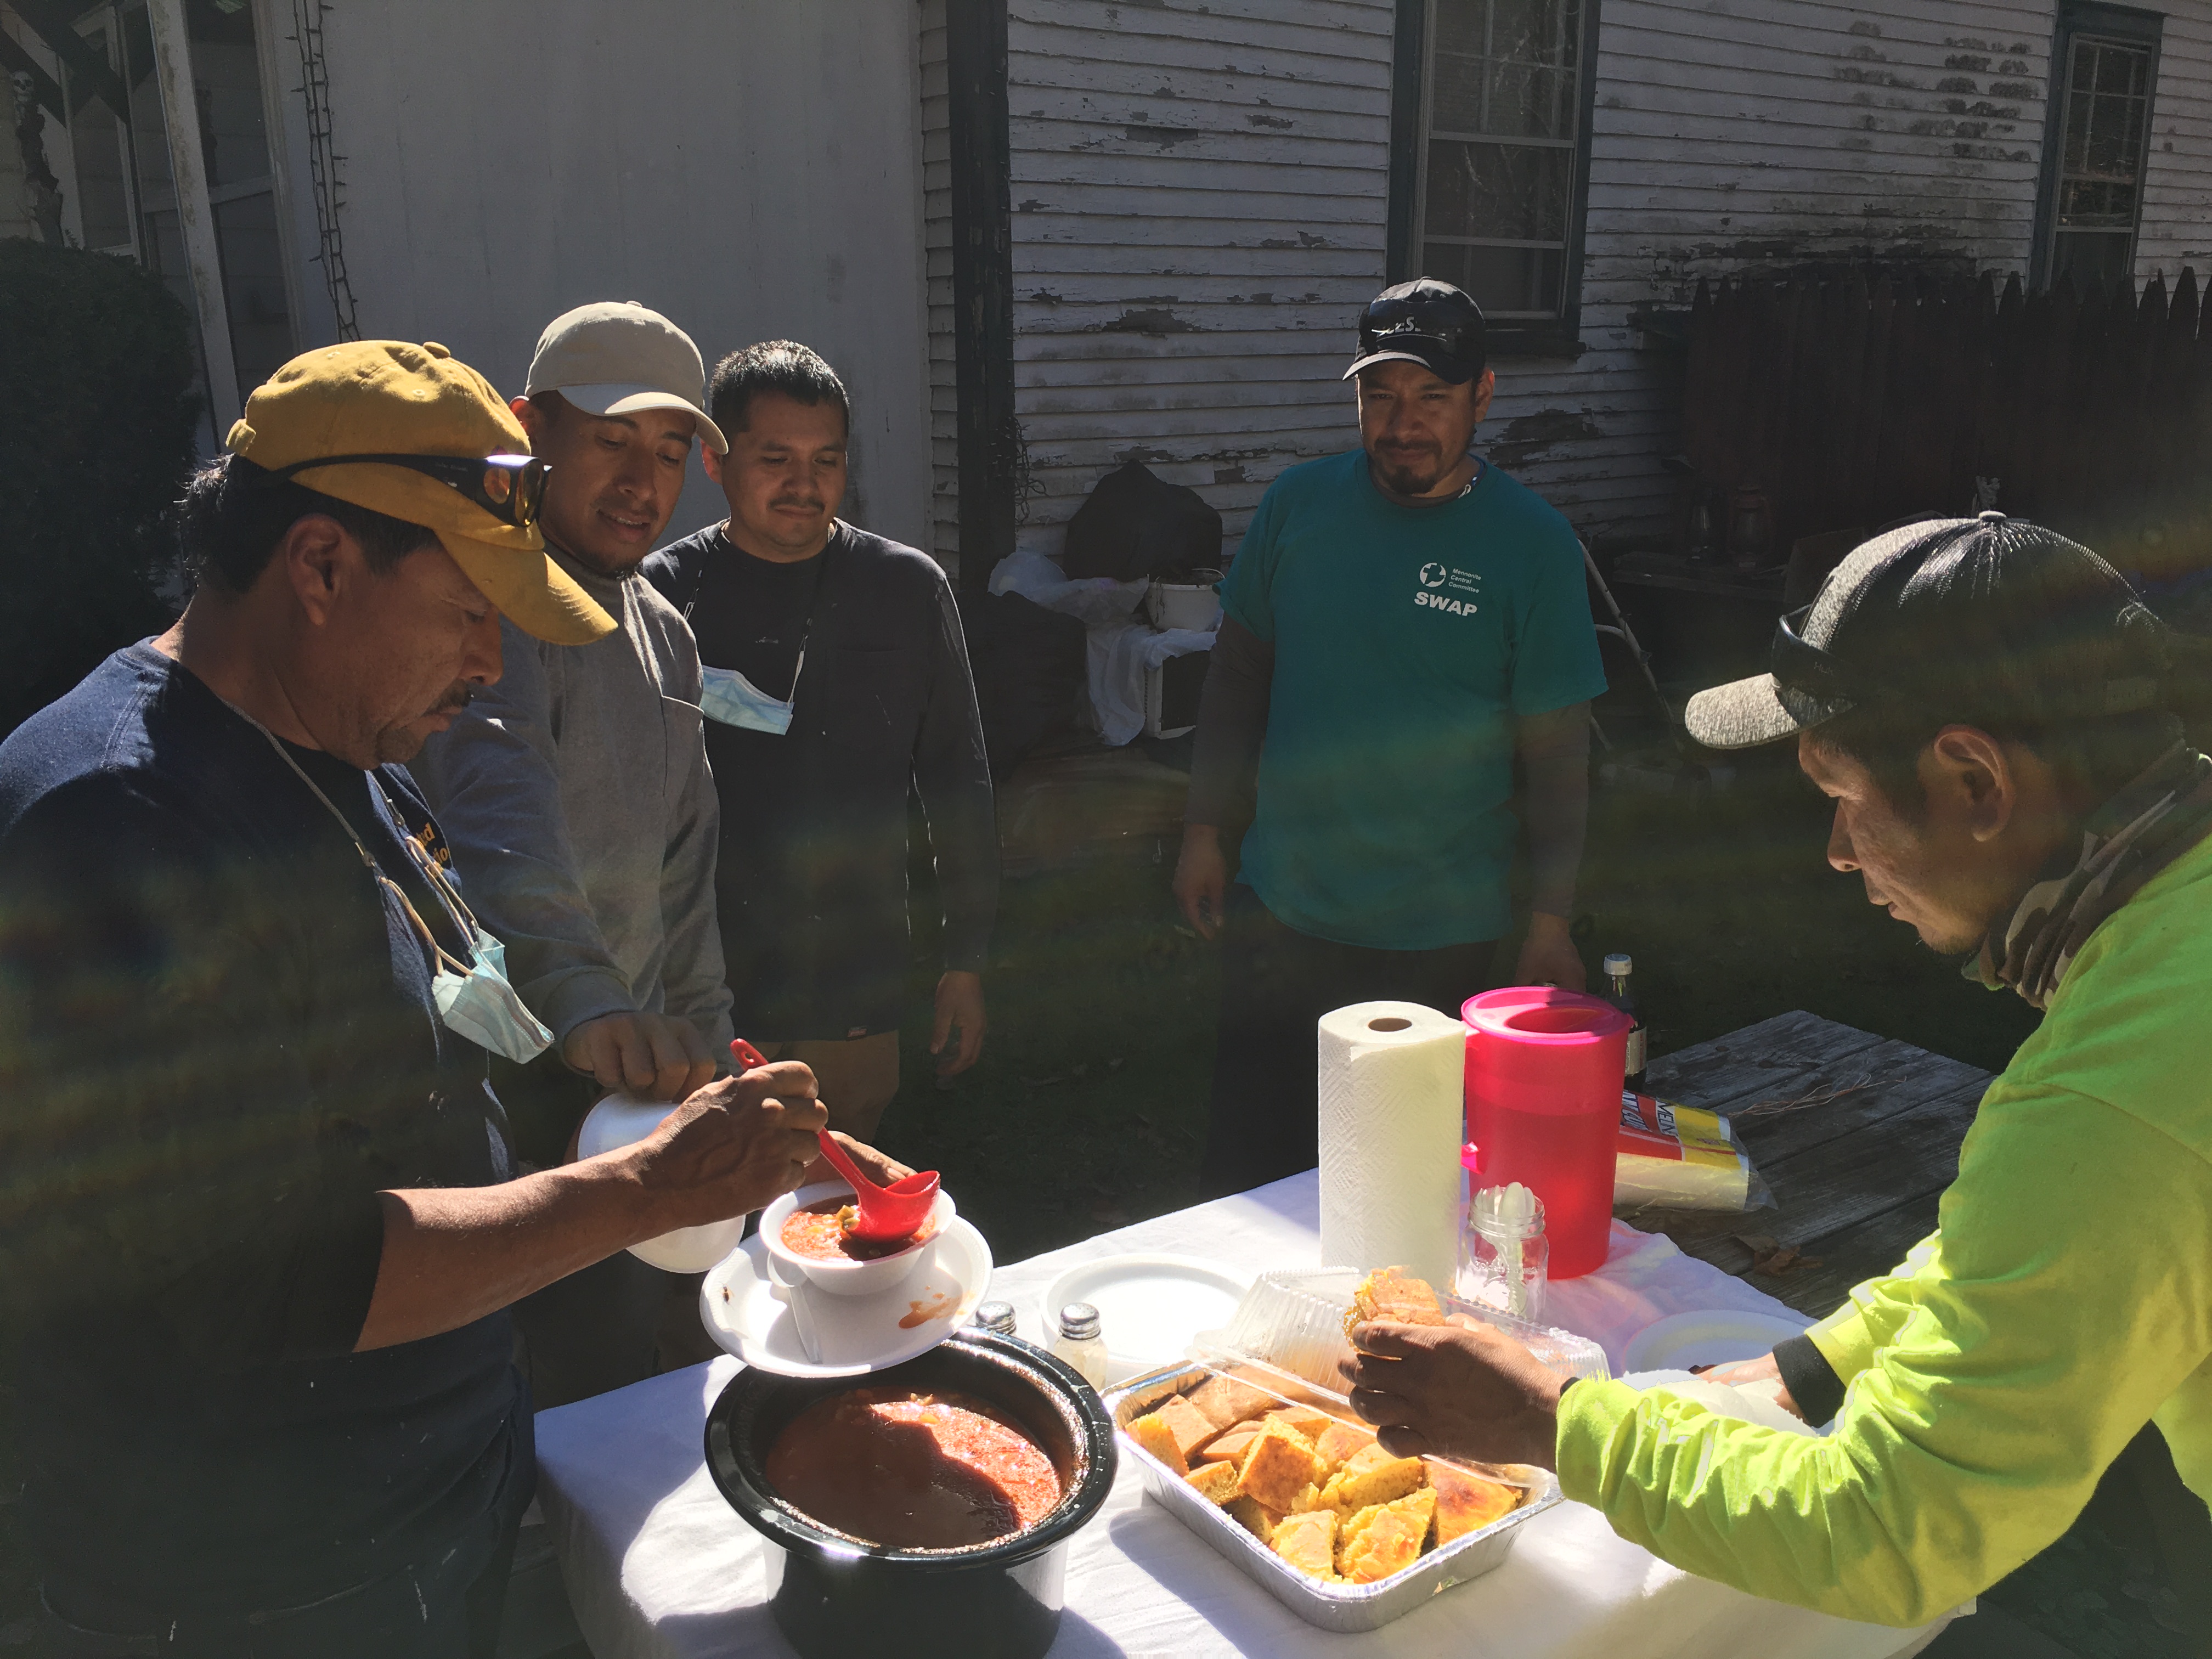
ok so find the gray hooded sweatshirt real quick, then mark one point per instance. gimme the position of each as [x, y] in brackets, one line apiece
[582, 818]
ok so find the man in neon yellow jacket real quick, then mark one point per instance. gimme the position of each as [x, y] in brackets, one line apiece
[1982, 699]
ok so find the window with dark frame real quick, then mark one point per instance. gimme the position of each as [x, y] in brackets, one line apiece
[2104, 81]
[1503, 172]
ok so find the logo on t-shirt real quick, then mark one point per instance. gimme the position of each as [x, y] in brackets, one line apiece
[1462, 588]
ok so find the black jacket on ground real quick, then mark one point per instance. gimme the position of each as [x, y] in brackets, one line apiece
[811, 880]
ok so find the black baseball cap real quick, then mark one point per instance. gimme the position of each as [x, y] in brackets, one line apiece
[1987, 621]
[1423, 321]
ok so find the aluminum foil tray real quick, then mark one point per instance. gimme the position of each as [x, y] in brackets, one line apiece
[1328, 1606]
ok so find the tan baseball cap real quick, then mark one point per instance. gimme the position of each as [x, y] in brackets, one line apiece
[390, 397]
[614, 357]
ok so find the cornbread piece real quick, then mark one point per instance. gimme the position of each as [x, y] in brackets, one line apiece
[1255, 1517]
[1386, 1538]
[1280, 1465]
[1157, 1438]
[1186, 1422]
[1392, 1293]
[1232, 1445]
[1226, 1402]
[1308, 1498]
[1466, 1502]
[1304, 1419]
[1216, 1482]
[1339, 1441]
[1308, 1542]
[1369, 1476]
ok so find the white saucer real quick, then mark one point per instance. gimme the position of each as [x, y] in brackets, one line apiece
[1149, 1306]
[751, 1315]
[1710, 1336]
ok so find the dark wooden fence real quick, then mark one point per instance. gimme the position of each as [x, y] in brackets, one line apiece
[1854, 401]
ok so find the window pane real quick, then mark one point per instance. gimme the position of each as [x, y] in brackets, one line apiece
[1463, 27]
[1535, 31]
[1505, 66]
[227, 76]
[1455, 94]
[1506, 282]
[96, 142]
[254, 287]
[1527, 102]
[2094, 259]
[1505, 190]
[2120, 71]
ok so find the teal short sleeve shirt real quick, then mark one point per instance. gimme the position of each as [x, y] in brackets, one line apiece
[1408, 641]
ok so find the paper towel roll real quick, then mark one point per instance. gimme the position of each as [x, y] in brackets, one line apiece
[1392, 1123]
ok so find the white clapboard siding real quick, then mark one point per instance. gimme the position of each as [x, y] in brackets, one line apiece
[1737, 134]
[2177, 220]
[1199, 210]
[936, 240]
[1199, 198]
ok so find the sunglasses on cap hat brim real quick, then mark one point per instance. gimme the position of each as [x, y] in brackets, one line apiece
[511, 487]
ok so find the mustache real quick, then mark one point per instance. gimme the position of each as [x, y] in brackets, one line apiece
[458, 697]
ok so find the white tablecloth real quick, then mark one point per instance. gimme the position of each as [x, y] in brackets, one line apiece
[659, 1566]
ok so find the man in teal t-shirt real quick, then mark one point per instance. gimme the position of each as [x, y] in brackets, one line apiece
[1402, 622]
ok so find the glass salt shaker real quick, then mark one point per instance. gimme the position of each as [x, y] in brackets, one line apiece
[1078, 1344]
[996, 1316]
[1504, 1252]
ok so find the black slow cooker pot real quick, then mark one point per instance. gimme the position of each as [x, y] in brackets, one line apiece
[834, 1595]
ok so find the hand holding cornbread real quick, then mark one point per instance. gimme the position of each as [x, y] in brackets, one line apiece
[1442, 1385]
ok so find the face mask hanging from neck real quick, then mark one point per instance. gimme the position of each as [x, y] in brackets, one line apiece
[728, 697]
[475, 998]
[479, 1003]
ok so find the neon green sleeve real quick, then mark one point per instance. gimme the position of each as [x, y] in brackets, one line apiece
[1873, 1316]
[2068, 1299]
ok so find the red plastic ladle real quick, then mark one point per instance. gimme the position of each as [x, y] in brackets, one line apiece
[886, 1212]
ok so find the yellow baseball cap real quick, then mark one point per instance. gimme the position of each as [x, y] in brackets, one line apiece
[391, 397]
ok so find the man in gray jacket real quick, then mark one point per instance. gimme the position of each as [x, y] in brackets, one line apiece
[582, 818]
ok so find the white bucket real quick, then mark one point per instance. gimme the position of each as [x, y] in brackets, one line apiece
[1193, 605]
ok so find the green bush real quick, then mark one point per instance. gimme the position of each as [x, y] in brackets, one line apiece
[96, 436]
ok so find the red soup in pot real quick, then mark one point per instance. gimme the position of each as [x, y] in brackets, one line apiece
[908, 1470]
[824, 1230]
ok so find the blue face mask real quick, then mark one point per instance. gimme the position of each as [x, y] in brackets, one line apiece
[727, 697]
[477, 1002]
[475, 998]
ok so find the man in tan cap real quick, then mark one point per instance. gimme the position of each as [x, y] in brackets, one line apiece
[259, 1204]
[582, 817]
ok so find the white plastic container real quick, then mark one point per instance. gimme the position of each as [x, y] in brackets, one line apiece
[1293, 1322]
[619, 1121]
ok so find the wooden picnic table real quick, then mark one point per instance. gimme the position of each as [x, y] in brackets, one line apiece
[1856, 1135]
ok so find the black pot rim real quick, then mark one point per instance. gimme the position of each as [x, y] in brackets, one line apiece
[776, 1520]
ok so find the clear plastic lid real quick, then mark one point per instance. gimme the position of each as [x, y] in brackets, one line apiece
[1294, 1322]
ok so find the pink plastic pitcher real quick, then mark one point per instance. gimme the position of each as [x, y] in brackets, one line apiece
[1544, 1071]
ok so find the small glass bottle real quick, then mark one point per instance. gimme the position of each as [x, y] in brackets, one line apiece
[1619, 967]
[1078, 1344]
[996, 1316]
[1504, 1254]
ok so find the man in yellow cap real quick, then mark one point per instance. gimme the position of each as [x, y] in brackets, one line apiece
[258, 1200]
